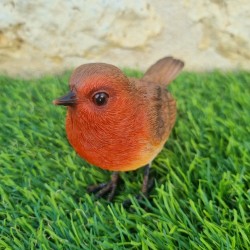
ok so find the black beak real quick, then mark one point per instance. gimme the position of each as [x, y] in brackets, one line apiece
[67, 100]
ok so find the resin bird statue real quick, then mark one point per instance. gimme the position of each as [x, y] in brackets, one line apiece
[119, 123]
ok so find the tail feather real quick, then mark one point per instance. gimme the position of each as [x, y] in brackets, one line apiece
[164, 71]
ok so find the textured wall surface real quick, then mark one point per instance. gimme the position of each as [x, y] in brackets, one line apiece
[49, 36]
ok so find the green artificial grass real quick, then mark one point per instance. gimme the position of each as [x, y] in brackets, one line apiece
[201, 198]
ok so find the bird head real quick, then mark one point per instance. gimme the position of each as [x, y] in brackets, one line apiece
[97, 89]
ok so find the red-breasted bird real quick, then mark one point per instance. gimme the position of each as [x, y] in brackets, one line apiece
[120, 123]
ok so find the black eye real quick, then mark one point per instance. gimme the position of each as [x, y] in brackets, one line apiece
[100, 98]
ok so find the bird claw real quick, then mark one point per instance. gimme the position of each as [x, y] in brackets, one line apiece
[105, 188]
[110, 187]
[96, 188]
[142, 196]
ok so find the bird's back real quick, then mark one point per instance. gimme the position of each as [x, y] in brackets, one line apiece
[160, 105]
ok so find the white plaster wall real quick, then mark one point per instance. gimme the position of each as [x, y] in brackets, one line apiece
[49, 36]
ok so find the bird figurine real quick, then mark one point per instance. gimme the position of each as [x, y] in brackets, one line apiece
[120, 123]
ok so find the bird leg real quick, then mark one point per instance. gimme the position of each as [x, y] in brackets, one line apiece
[104, 188]
[147, 183]
[146, 186]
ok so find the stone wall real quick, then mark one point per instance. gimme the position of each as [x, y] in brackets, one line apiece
[49, 36]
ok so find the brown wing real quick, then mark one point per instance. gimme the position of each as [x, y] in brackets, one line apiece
[162, 113]
[164, 71]
[159, 105]
[160, 108]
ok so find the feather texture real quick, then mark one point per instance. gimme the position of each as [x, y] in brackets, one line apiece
[131, 129]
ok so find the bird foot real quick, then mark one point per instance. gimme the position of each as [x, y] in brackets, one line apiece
[109, 188]
[105, 188]
[143, 195]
